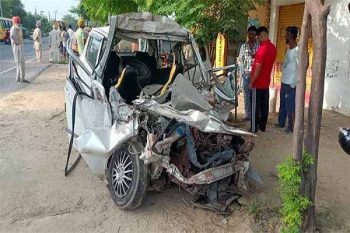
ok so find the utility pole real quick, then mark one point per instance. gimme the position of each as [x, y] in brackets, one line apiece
[55, 14]
[48, 13]
[1, 9]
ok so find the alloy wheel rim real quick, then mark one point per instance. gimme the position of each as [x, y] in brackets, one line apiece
[122, 174]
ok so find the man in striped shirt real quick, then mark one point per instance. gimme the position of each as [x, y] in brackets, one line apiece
[245, 59]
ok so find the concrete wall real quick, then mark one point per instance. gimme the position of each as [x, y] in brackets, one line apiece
[258, 17]
[337, 85]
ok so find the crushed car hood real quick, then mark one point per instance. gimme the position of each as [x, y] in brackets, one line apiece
[203, 122]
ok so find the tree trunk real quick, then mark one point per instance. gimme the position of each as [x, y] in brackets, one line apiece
[211, 47]
[319, 15]
[300, 92]
[315, 13]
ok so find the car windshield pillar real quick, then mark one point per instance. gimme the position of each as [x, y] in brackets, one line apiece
[100, 68]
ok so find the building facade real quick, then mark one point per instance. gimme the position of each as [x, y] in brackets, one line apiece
[278, 14]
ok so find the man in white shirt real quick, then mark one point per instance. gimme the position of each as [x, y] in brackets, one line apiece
[54, 44]
[16, 36]
[37, 41]
[289, 81]
[70, 31]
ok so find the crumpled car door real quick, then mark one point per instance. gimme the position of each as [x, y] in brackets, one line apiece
[75, 84]
[88, 112]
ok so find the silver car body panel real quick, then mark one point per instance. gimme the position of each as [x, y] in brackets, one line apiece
[194, 118]
[96, 145]
[99, 132]
[147, 25]
[185, 96]
[96, 138]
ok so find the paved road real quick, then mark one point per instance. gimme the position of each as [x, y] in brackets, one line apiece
[32, 69]
[6, 55]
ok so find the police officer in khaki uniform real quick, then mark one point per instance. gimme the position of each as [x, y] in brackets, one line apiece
[16, 36]
[37, 41]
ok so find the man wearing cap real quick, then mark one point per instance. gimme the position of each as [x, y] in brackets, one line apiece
[16, 36]
[37, 41]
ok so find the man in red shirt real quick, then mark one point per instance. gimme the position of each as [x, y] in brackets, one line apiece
[260, 80]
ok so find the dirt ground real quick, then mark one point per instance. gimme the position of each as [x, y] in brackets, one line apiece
[36, 197]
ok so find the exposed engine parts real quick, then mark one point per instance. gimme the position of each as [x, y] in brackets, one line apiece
[204, 164]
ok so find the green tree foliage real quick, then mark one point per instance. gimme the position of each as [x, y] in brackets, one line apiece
[204, 17]
[29, 22]
[99, 10]
[207, 17]
[46, 25]
[28, 19]
[80, 11]
[70, 19]
[13, 7]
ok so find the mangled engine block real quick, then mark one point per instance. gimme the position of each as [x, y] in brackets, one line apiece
[210, 166]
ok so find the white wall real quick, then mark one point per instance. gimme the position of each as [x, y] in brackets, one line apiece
[337, 85]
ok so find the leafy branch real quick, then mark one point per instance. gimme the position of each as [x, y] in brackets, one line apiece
[293, 202]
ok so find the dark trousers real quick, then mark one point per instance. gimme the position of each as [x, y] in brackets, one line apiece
[260, 109]
[287, 106]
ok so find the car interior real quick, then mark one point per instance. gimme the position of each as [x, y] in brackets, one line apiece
[130, 72]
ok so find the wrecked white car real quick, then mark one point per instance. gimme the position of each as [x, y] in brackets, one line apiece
[144, 109]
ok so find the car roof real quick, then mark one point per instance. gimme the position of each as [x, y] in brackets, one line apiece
[146, 25]
[102, 30]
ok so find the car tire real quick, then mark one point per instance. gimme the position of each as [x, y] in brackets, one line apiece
[127, 179]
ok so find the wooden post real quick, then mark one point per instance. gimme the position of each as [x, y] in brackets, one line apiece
[301, 85]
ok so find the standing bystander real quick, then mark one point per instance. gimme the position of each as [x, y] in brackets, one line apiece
[289, 81]
[60, 41]
[245, 59]
[260, 80]
[54, 43]
[80, 36]
[64, 36]
[16, 36]
[70, 31]
[37, 41]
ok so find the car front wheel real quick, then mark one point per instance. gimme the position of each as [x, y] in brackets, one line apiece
[127, 179]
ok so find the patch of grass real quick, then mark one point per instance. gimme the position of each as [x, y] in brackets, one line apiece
[254, 207]
[63, 62]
